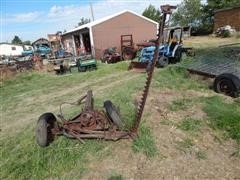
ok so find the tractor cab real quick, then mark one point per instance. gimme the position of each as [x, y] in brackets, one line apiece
[174, 41]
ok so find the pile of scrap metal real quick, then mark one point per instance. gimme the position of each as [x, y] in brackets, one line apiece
[170, 52]
[19, 64]
[62, 66]
[98, 124]
[110, 55]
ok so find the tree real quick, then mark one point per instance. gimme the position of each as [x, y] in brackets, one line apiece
[16, 40]
[188, 13]
[152, 13]
[27, 43]
[200, 16]
[83, 21]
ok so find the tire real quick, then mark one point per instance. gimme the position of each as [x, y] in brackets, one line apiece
[163, 61]
[227, 84]
[128, 53]
[113, 113]
[178, 55]
[45, 123]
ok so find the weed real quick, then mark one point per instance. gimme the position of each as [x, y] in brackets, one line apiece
[115, 176]
[145, 143]
[201, 155]
[190, 124]
[237, 152]
[184, 145]
[167, 122]
[180, 104]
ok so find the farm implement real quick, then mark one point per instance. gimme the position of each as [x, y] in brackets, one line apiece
[98, 124]
[86, 62]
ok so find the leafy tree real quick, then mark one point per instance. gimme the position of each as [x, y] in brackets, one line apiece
[83, 21]
[200, 16]
[152, 13]
[27, 42]
[16, 40]
[187, 13]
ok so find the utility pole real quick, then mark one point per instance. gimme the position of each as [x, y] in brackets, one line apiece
[91, 11]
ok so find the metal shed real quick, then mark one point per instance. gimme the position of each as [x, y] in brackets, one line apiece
[101, 34]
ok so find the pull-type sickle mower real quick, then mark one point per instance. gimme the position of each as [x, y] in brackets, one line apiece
[95, 124]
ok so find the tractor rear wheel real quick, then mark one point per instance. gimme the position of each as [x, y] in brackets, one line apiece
[45, 124]
[128, 53]
[163, 61]
[113, 113]
[227, 84]
[178, 55]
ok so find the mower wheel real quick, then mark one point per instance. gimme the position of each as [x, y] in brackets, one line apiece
[113, 113]
[45, 123]
[163, 62]
[227, 84]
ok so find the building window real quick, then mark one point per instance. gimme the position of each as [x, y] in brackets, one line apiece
[13, 48]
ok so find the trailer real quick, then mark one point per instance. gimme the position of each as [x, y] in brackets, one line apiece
[226, 74]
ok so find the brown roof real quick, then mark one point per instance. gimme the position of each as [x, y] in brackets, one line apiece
[227, 9]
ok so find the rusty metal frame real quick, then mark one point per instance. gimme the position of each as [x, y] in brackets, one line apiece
[94, 124]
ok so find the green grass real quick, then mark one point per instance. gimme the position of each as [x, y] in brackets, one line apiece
[145, 143]
[201, 155]
[176, 78]
[224, 116]
[115, 177]
[190, 124]
[23, 159]
[180, 104]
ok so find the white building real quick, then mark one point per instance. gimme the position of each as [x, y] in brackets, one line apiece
[9, 49]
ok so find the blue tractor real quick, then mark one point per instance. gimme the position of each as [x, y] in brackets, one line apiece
[169, 52]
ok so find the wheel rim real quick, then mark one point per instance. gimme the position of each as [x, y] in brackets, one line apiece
[164, 61]
[226, 87]
[128, 56]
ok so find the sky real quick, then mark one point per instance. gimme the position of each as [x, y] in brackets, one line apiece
[33, 19]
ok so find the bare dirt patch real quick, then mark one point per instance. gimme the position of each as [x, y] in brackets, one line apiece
[171, 162]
